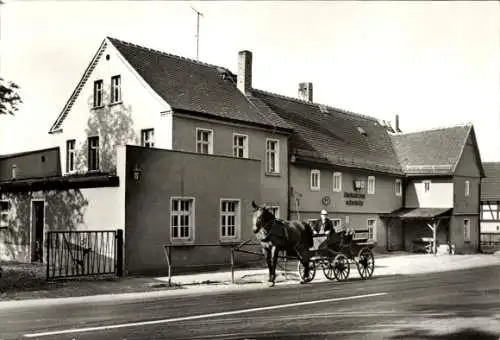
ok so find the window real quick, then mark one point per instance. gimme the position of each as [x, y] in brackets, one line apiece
[466, 230]
[272, 156]
[204, 141]
[372, 229]
[427, 186]
[4, 214]
[98, 93]
[398, 187]
[275, 210]
[93, 160]
[70, 155]
[371, 185]
[490, 211]
[467, 188]
[116, 91]
[148, 138]
[347, 219]
[337, 181]
[240, 146]
[181, 218]
[315, 180]
[229, 218]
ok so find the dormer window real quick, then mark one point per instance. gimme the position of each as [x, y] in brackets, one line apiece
[362, 131]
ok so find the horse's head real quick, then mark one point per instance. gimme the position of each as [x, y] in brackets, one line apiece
[262, 218]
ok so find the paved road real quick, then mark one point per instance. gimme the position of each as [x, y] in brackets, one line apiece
[398, 307]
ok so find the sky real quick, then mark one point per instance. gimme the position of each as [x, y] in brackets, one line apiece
[433, 63]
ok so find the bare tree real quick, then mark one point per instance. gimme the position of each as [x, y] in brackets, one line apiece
[9, 97]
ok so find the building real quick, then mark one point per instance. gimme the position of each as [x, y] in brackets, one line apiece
[173, 151]
[490, 203]
[443, 175]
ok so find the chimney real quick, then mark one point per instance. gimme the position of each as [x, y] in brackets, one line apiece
[396, 124]
[244, 78]
[306, 91]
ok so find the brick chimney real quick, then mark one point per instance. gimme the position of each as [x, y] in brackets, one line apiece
[306, 91]
[396, 124]
[244, 78]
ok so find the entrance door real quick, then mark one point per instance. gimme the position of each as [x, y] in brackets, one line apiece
[37, 222]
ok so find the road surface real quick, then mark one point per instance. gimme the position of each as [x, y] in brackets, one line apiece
[397, 307]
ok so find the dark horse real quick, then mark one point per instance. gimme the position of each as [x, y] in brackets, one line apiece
[295, 237]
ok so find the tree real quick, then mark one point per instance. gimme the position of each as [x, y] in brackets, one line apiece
[9, 97]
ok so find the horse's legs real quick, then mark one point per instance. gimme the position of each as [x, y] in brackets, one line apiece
[274, 259]
[303, 255]
[267, 255]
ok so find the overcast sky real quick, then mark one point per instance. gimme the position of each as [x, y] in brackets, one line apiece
[433, 63]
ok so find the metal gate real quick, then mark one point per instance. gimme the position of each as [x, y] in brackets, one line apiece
[84, 253]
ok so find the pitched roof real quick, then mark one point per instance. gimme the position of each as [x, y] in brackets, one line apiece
[435, 151]
[326, 134]
[490, 185]
[419, 213]
[189, 86]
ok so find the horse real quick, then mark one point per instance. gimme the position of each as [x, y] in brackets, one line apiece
[294, 237]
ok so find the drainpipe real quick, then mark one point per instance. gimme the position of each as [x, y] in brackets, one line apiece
[479, 218]
[289, 182]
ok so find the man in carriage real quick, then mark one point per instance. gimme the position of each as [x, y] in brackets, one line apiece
[335, 236]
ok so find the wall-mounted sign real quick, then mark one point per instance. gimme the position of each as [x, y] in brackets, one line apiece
[354, 195]
[358, 198]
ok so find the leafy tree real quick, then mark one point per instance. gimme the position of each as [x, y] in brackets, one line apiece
[9, 97]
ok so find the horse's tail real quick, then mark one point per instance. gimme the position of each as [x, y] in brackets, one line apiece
[309, 235]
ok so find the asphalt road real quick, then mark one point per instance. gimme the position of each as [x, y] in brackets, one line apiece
[431, 306]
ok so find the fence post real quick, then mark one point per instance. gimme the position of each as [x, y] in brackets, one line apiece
[119, 252]
[47, 274]
[232, 265]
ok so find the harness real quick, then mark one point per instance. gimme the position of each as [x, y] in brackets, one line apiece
[267, 234]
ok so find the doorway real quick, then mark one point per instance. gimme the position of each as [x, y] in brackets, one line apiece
[37, 229]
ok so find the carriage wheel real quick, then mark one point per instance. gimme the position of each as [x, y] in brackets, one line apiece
[341, 267]
[328, 270]
[312, 271]
[365, 263]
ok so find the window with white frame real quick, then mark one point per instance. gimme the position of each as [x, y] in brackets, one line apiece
[93, 154]
[427, 186]
[466, 230]
[4, 213]
[272, 156]
[204, 141]
[467, 188]
[181, 218]
[70, 155]
[98, 87]
[372, 229]
[148, 138]
[315, 180]
[371, 185]
[398, 187]
[240, 146]
[347, 219]
[229, 218]
[275, 210]
[337, 181]
[116, 91]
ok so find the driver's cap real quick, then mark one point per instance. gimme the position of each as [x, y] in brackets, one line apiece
[323, 212]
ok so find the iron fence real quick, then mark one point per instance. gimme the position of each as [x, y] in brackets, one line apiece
[84, 253]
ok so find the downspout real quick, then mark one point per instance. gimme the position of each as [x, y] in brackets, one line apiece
[479, 218]
[289, 182]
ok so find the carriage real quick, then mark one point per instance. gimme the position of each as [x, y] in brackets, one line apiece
[336, 261]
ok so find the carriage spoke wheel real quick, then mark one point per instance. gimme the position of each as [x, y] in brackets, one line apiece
[341, 267]
[328, 269]
[312, 271]
[366, 263]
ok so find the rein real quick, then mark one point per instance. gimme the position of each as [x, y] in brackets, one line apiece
[266, 234]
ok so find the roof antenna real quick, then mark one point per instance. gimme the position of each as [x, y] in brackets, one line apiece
[198, 14]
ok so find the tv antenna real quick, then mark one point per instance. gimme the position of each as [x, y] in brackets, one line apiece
[198, 14]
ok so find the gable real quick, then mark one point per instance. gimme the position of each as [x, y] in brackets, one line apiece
[106, 62]
[469, 163]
